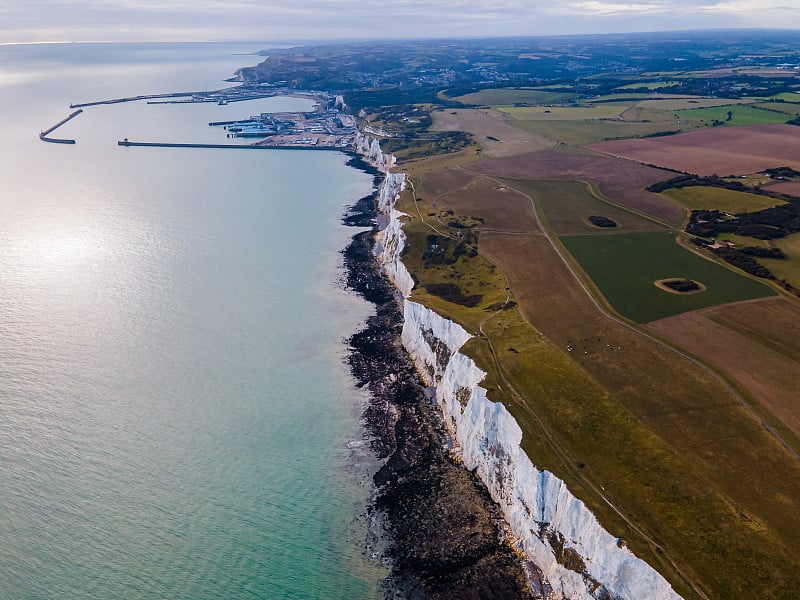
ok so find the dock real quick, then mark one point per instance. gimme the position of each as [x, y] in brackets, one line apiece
[133, 99]
[44, 134]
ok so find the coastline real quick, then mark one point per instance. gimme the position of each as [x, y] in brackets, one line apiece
[575, 556]
[445, 536]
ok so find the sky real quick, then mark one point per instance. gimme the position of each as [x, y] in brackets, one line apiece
[296, 20]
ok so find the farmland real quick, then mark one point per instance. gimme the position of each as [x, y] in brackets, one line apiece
[673, 104]
[788, 268]
[652, 85]
[667, 441]
[756, 344]
[509, 97]
[785, 107]
[715, 150]
[565, 207]
[490, 129]
[733, 115]
[579, 132]
[788, 97]
[571, 383]
[714, 198]
[639, 259]
[620, 180]
[790, 188]
[566, 113]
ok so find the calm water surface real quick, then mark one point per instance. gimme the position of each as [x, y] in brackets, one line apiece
[176, 419]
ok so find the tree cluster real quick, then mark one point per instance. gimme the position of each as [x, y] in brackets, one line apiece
[766, 224]
[601, 221]
[452, 293]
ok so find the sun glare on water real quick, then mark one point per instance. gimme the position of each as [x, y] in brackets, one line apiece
[62, 249]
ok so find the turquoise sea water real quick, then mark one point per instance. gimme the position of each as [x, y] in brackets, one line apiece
[176, 419]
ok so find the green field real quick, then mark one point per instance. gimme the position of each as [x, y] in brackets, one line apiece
[784, 107]
[713, 198]
[589, 131]
[788, 97]
[788, 268]
[654, 85]
[624, 267]
[741, 115]
[566, 113]
[672, 104]
[626, 96]
[565, 207]
[509, 97]
[741, 240]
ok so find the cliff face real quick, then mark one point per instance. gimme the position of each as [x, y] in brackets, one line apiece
[445, 534]
[370, 149]
[552, 527]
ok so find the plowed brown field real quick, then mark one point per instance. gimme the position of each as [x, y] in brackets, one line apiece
[790, 188]
[755, 343]
[715, 150]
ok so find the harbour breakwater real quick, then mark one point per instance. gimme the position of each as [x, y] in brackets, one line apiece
[44, 134]
[551, 527]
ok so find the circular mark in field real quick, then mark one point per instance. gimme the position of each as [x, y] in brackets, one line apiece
[680, 285]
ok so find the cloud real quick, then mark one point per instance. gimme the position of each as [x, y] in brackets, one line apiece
[600, 8]
[744, 7]
[303, 19]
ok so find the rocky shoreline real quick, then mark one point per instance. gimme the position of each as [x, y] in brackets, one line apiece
[445, 535]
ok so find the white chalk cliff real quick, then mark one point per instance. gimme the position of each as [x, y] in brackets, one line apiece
[545, 518]
[370, 149]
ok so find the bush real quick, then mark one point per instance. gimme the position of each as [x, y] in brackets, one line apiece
[601, 221]
[452, 293]
[682, 285]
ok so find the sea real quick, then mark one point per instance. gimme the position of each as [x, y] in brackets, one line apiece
[177, 418]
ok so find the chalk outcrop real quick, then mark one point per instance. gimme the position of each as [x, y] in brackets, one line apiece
[370, 150]
[551, 526]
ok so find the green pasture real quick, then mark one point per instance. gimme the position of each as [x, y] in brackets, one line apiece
[624, 267]
[588, 131]
[619, 97]
[565, 208]
[787, 108]
[511, 96]
[672, 104]
[740, 115]
[713, 198]
[566, 113]
[788, 96]
[742, 240]
[788, 268]
[653, 85]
